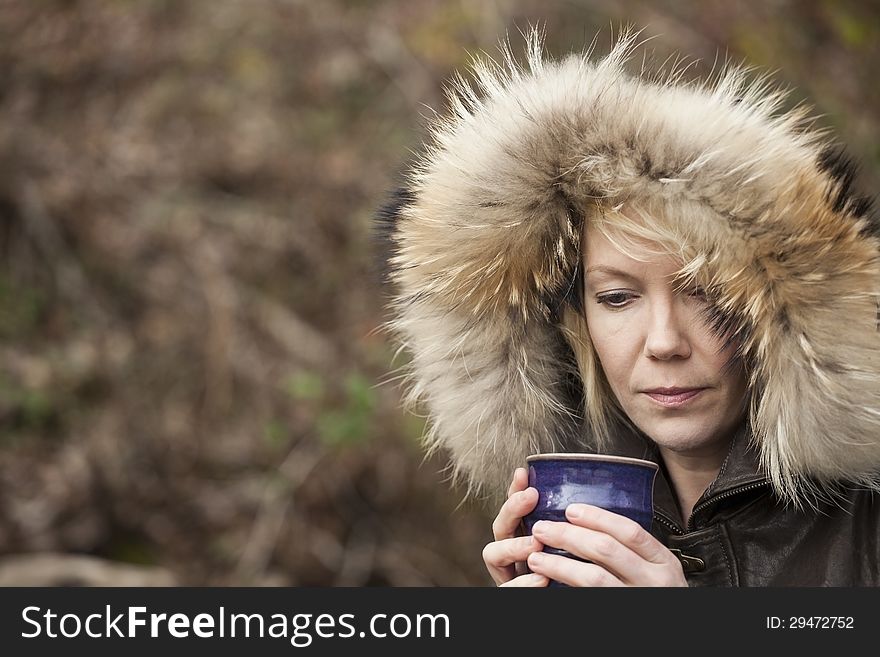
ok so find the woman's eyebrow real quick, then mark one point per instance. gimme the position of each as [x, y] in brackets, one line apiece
[611, 271]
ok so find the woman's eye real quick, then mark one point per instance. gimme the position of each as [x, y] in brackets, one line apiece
[614, 299]
[697, 293]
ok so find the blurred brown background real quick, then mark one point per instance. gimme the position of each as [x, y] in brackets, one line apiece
[194, 384]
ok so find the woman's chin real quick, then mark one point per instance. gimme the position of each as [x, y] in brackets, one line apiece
[683, 434]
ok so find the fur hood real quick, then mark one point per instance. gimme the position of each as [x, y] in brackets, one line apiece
[485, 238]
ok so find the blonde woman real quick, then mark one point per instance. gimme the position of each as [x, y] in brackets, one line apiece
[592, 260]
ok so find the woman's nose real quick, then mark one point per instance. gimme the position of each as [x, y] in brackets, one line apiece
[667, 335]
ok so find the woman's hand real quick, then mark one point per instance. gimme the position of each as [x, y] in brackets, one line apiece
[505, 557]
[623, 554]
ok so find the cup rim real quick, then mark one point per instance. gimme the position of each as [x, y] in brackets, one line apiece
[583, 456]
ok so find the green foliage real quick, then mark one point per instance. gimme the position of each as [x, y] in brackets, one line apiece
[36, 408]
[344, 412]
[132, 549]
[351, 423]
[305, 386]
[360, 393]
[853, 30]
[275, 433]
[20, 309]
[23, 410]
[337, 428]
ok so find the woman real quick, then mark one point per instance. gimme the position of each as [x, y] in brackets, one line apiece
[592, 261]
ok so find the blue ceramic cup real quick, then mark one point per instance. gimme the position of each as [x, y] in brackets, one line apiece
[617, 483]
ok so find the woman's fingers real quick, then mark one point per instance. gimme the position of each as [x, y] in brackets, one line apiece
[532, 579]
[626, 531]
[510, 550]
[505, 557]
[519, 504]
[593, 546]
[501, 556]
[620, 548]
[570, 571]
[520, 481]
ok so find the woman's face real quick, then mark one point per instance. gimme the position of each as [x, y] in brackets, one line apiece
[660, 359]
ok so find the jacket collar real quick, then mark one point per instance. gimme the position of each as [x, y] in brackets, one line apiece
[741, 467]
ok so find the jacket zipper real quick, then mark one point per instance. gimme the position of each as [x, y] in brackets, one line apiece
[729, 493]
[690, 563]
[663, 520]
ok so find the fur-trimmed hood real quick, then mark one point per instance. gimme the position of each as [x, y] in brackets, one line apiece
[486, 254]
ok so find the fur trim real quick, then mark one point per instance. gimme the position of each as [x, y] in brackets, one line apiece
[486, 253]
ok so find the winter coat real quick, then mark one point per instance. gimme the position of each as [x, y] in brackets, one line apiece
[741, 533]
[485, 267]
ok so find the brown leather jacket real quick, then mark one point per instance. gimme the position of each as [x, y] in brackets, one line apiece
[741, 534]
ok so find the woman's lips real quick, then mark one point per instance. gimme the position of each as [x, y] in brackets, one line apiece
[675, 400]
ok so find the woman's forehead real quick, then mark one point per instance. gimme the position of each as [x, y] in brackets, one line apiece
[626, 257]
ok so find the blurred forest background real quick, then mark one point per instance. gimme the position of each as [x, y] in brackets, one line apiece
[194, 384]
